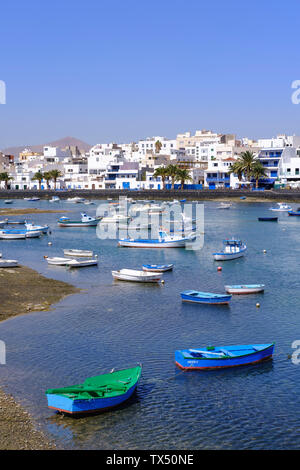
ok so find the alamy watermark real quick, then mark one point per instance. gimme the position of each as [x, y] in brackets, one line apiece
[296, 354]
[2, 92]
[2, 352]
[168, 221]
[296, 94]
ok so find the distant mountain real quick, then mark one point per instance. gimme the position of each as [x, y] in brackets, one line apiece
[64, 142]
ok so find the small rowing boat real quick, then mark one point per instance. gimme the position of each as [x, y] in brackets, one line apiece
[57, 261]
[75, 263]
[295, 213]
[267, 219]
[245, 289]
[222, 356]
[136, 275]
[205, 297]
[8, 263]
[157, 268]
[78, 253]
[95, 394]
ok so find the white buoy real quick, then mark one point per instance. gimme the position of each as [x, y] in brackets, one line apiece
[49, 243]
[162, 281]
[264, 251]
[257, 305]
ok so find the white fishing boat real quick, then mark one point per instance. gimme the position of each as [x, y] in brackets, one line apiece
[136, 276]
[8, 201]
[33, 233]
[31, 199]
[8, 263]
[163, 241]
[157, 268]
[282, 207]
[245, 289]
[88, 203]
[78, 253]
[232, 249]
[36, 228]
[75, 200]
[86, 221]
[57, 261]
[55, 199]
[74, 263]
[224, 205]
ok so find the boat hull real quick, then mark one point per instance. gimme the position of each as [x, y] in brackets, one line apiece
[78, 224]
[152, 244]
[79, 253]
[222, 256]
[240, 290]
[186, 363]
[217, 300]
[128, 277]
[77, 407]
[157, 268]
[267, 219]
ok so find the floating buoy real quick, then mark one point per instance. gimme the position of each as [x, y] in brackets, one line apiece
[162, 281]
[219, 268]
[45, 256]
[49, 243]
[264, 251]
[257, 305]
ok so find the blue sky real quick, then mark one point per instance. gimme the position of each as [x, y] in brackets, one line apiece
[121, 70]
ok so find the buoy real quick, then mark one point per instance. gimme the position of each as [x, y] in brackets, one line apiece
[219, 268]
[45, 256]
[162, 281]
[49, 243]
[258, 305]
[265, 251]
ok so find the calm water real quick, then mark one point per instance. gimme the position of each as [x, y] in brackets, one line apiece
[114, 324]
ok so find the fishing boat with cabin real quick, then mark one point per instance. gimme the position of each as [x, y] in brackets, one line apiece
[218, 357]
[86, 221]
[232, 249]
[95, 394]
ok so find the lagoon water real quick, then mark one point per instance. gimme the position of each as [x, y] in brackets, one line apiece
[117, 324]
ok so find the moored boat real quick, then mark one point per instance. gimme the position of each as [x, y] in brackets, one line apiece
[78, 253]
[54, 199]
[157, 268]
[12, 234]
[8, 263]
[245, 288]
[57, 261]
[95, 394]
[205, 297]
[282, 207]
[222, 356]
[86, 221]
[295, 213]
[75, 263]
[267, 219]
[37, 228]
[232, 249]
[136, 275]
[163, 241]
[8, 201]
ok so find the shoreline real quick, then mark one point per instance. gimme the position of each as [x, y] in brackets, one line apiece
[23, 290]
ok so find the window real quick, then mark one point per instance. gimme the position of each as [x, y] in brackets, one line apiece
[296, 171]
[288, 170]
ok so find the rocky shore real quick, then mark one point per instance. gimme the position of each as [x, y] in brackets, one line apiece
[23, 290]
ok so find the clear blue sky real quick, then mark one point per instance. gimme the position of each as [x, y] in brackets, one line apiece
[120, 70]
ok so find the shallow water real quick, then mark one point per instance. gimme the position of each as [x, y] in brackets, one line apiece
[117, 324]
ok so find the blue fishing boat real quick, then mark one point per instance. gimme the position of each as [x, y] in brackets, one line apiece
[157, 268]
[295, 213]
[267, 219]
[95, 394]
[205, 297]
[222, 356]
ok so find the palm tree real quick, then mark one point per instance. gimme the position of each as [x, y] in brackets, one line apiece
[172, 173]
[247, 160]
[183, 175]
[258, 171]
[48, 177]
[38, 176]
[55, 174]
[158, 146]
[237, 169]
[163, 173]
[6, 178]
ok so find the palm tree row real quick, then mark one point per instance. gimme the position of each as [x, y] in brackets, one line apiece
[247, 165]
[47, 176]
[174, 172]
